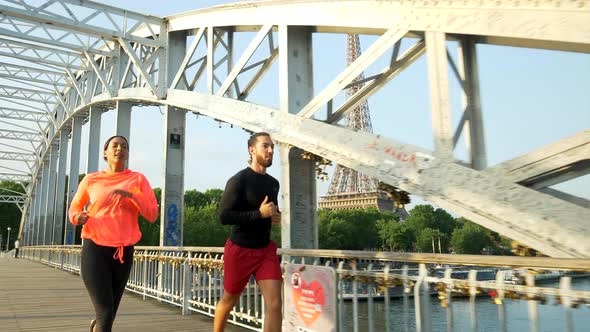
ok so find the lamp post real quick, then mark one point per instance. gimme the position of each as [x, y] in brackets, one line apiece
[8, 240]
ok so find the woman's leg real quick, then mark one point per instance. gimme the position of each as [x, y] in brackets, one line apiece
[96, 270]
[121, 274]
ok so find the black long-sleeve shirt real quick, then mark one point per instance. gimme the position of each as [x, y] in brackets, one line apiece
[242, 197]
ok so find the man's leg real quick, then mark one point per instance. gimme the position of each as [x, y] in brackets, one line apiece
[273, 316]
[237, 269]
[222, 310]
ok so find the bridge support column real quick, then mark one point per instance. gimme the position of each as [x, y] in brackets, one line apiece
[298, 185]
[172, 206]
[60, 188]
[123, 119]
[94, 140]
[34, 238]
[50, 198]
[41, 239]
[73, 173]
[438, 78]
[473, 124]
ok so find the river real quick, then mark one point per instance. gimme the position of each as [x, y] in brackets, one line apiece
[552, 317]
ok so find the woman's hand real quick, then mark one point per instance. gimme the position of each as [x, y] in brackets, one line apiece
[82, 218]
[120, 192]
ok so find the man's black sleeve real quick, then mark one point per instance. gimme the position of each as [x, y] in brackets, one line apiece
[229, 207]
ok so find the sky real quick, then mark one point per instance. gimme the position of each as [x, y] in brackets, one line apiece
[530, 98]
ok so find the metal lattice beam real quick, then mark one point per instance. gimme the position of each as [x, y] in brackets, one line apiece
[15, 177]
[105, 49]
[497, 204]
[24, 115]
[96, 21]
[20, 135]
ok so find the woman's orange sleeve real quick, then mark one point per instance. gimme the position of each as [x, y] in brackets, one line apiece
[79, 200]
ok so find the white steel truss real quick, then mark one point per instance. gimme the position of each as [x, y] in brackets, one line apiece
[71, 60]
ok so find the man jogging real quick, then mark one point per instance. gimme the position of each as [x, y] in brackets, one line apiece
[249, 204]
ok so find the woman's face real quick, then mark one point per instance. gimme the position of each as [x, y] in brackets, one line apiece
[117, 151]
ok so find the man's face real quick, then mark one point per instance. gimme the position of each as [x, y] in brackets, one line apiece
[262, 151]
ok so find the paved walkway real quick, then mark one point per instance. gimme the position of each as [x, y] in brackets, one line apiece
[36, 297]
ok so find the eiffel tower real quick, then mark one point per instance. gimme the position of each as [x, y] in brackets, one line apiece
[350, 189]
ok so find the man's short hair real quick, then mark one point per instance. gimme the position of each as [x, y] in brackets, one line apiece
[254, 137]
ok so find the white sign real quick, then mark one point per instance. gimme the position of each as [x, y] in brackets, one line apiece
[310, 298]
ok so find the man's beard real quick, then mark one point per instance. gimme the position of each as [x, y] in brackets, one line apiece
[262, 162]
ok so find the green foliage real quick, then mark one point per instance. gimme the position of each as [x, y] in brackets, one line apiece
[425, 216]
[335, 233]
[202, 227]
[396, 236]
[275, 234]
[350, 229]
[429, 237]
[470, 239]
[199, 199]
[10, 214]
[150, 232]
[343, 230]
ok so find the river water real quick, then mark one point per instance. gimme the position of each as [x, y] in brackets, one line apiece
[552, 317]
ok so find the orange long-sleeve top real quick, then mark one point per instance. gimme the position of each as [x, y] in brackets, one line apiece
[112, 219]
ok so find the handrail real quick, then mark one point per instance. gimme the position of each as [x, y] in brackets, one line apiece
[542, 263]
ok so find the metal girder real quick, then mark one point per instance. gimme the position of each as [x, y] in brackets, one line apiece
[24, 115]
[50, 39]
[340, 82]
[13, 169]
[9, 155]
[32, 95]
[246, 55]
[583, 202]
[15, 177]
[125, 59]
[24, 80]
[554, 163]
[39, 54]
[96, 20]
[31, 74]
[142, 66]
[543, 24]
[185, 62]
[20, 135]
[378, 81]
[99, 74]
[19, 200]
[540, 221]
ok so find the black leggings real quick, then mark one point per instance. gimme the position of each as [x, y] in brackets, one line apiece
[105, 278]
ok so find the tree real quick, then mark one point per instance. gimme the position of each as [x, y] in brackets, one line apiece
[213, 196]
[396, 236]
[150, 232]
[470, 239]
[425, 216]
[10, 215]
[429, 237]
[335, 233]
[194, 198]
[202, 227]
[350, 229]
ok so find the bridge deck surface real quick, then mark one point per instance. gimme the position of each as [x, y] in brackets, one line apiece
[36, 297]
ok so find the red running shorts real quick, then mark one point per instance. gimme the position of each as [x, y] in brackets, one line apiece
[240, 263]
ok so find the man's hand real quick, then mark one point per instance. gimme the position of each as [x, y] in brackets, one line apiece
[82, 218]
[276, 218]
[267, 209]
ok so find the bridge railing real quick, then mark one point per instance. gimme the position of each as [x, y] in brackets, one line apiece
[376, 291]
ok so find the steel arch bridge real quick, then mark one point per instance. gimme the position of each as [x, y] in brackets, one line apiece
[65, 62]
